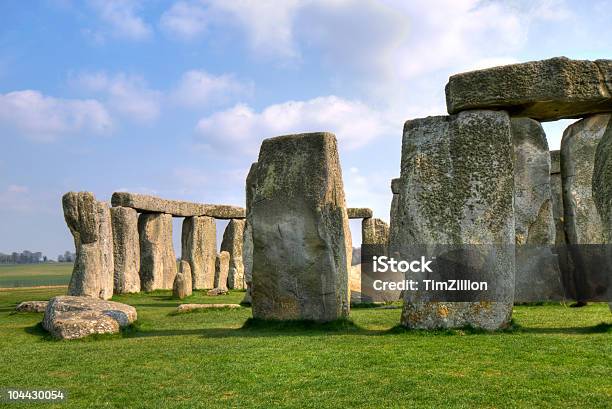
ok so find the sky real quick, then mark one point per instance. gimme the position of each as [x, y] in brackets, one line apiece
[173, 98]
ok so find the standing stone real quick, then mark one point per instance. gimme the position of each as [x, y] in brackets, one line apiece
[157, 259]
[374, 231]
[602, 177]
[222, 264]
[233, 237]
[126, 250]
[602, 194]
[89, 223]
[247, 238]
[199, 249]
[583, 225]
[556, 188]
[537, 270]
[394, 214]
[106, 243]
[457, 189]
[375, 242]
[302, 242]
[182, 286]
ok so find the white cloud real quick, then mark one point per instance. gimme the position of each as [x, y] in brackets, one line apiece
[185, 19]
[200, 89]
[266, 25]
[241, 128]
[122, 19]
[129, 95]
[45, 118]
[384, 47]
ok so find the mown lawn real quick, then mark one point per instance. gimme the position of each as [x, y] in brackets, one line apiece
[31, 275]
[559, 357]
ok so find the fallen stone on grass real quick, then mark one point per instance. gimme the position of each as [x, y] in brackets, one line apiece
[32, 306]
[217, 291]
[70, 317]
[193, 307]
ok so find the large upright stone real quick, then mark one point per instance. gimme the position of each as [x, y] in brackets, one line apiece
[126, 250]
[153, 204]
[247, 238]
[199, 249]
[556, 190]
[375, 242]
[90, 225]
[232, 243]
[546, 90]
[583, 225]
[302, 243]
[394, 212]
[374, 231]
[222, 263]
[602, 177]
[537, 269]
[182, 286]
[602, 194]
[457, 189]
[157, 259]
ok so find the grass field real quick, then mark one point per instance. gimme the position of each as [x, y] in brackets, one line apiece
[557, 357]
[31, 275]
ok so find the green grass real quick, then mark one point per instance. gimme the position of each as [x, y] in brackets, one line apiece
[32, 275]
[558, 357]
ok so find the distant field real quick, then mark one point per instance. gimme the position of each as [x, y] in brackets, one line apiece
[33, 275]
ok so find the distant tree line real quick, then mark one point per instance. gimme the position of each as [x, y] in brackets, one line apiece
[30, 257]
[67, 257]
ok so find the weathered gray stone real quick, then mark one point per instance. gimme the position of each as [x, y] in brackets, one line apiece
[359, 212]
[217, 291]
[583, 225]
[457, 189]
[222, 269]
[90, 225]
[147, 203]
[395, 185]
[375, 242]
[182, 286]
[374, 231]
[247, 244]
[560, 249]
[302, 243]
[537, 269]
[578, 147]
[546, 90]
[126, 250]
[157, 259]
[107, 247]
[602, 178]
[32, 306]
[556, 189]
[68, 317]
[193, 307]
[199, 248]
[233, 237]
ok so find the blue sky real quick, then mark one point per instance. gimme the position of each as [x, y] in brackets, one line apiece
[174, 97]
